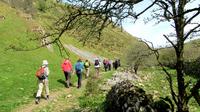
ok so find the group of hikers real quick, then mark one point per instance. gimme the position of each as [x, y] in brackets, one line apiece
[68, 69]
[107, 64]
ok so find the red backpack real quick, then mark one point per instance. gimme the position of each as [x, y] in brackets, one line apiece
[40, 72]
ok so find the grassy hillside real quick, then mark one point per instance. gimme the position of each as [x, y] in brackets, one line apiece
[17, 68]
[191, 52]
[192, 49]
[112, 43]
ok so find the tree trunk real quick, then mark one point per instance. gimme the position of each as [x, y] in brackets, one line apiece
[182, 105]
[179, 25]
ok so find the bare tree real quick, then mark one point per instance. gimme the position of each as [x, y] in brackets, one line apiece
[137, 55]
[176, 12]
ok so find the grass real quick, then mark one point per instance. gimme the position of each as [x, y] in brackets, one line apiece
[17, 78]
[154, 82]
[93, 97]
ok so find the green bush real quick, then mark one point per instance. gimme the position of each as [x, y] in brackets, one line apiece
[192, 67]
[42, 5]
[93, 97]
[168, 58]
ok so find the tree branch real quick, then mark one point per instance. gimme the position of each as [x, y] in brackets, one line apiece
[169, 78]
[191, 31]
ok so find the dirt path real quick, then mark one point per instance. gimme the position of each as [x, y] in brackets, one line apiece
[31, 106]
[55, 103]
[84, 54]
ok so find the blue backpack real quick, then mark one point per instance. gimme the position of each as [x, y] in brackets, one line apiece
[78, 66]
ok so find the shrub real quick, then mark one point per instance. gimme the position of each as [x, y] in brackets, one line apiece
[93, 98]
[192, 67]
[167, 58]
[42, 5]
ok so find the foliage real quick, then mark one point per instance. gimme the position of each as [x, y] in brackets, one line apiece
[192, 68]
[42, 5]
[168, 58]
[93, 98]
[154, 82]
[138, 55]
[191, 50]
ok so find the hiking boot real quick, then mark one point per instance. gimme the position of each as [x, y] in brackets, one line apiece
[70, 84]
[66, 85]
[37, 100]
[47, 97]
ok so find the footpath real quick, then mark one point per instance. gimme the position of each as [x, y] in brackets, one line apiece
[57, 102]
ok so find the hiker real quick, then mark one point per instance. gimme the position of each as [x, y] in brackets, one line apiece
[115, 64]
[79, 66]
[105, 63]
[118, 62]
[97, 66]
[67, 69]
[43, 81]
[109, 64]
[87, 68]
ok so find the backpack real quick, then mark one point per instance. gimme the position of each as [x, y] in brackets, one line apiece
[87, 64]
[78, 67]
[96, 62]
[40, 72]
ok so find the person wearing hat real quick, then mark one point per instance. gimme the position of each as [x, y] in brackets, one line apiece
[43, 81]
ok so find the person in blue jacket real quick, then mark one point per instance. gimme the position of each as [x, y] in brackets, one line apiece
[79, 66]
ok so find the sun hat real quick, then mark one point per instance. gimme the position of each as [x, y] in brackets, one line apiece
[44, 62]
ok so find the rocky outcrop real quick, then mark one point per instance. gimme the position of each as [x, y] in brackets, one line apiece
[118, 77]
[125, 97]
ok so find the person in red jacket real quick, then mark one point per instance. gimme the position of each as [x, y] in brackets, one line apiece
[67, 69]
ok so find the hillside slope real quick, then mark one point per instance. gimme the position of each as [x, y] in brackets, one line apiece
[17, 68]
[112, 43]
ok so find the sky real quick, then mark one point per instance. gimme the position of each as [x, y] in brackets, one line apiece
[150, 31]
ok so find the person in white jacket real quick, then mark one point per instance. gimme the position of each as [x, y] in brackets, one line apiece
[43, 82]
